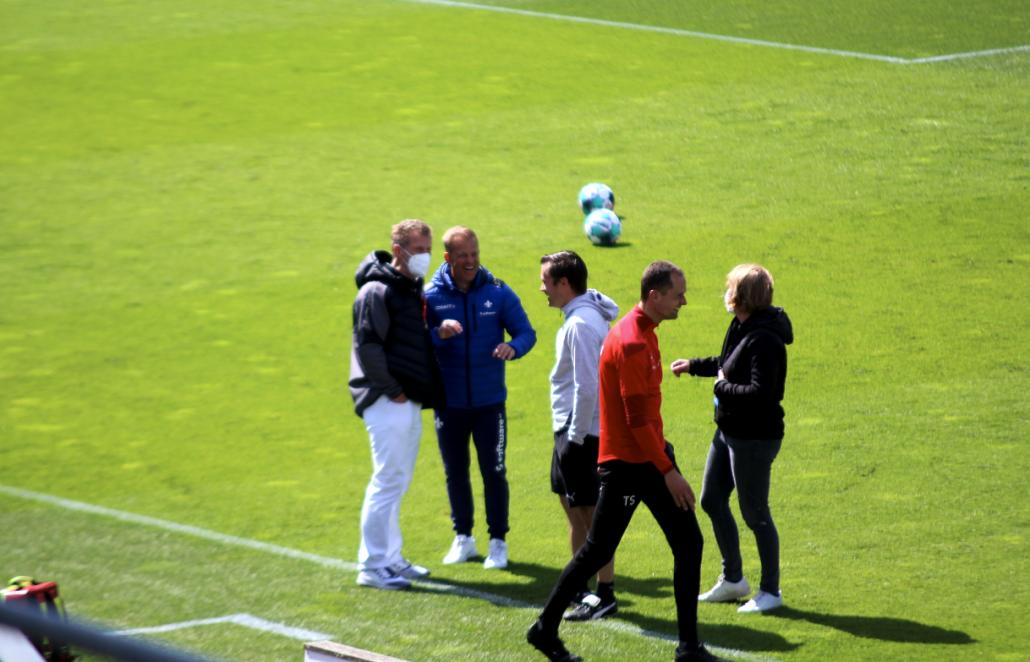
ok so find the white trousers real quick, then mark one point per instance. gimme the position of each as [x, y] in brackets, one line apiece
[394, 431]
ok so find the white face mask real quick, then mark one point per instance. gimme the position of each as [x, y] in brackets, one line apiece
[726, 300]
[418, 264]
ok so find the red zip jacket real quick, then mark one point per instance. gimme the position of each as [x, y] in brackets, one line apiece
[631, 394]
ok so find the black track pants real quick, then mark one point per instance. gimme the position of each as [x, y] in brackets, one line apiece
[623, 487]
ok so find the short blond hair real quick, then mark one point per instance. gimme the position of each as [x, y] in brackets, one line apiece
[457, 231]
[750, 287]
[403, 232]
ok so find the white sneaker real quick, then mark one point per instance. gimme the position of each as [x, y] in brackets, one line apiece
[462, 549]
[383, 578]
[762, 602]
[409, 570]
[725, 591]
[498, 556]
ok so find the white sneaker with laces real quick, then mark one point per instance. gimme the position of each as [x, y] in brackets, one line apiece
[762, 602]
[498, 556]
[409, 570]
[462, 549]
[725, 591]
[383, 578]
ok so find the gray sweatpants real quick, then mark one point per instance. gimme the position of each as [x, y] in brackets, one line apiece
[744, 464]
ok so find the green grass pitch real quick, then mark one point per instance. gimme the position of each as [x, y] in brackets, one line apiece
[187, 187]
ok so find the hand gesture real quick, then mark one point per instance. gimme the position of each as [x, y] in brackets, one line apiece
[449, 329]
[679, 366]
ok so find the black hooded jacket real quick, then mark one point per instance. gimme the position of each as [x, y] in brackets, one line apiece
[391, 352]
[754, 363]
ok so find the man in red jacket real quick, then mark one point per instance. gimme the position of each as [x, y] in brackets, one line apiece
[636, 464]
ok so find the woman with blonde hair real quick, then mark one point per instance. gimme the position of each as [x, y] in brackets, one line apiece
[750, 375]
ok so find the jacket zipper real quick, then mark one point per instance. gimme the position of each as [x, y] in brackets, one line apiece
[468, 348]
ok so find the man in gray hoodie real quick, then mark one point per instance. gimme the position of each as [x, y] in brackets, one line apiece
[575, 406]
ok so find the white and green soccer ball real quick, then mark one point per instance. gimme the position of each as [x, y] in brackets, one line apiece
[596, 196]
[602, 227]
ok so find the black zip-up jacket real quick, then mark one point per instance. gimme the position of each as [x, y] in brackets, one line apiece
[754, 363]
[391, 352]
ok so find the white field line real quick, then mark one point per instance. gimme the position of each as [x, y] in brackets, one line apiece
[719, 37]
[246, 620]
[963, 56]
[325, 561]
[179, 528]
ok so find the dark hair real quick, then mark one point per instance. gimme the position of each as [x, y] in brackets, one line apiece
[658, 276]
[566, 264]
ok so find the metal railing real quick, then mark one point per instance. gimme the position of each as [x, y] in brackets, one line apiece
[28, 618]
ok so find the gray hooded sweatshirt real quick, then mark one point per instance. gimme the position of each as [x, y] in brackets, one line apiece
[577, 349]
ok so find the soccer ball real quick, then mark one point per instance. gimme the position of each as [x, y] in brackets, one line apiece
[602, 227]
[596, 196]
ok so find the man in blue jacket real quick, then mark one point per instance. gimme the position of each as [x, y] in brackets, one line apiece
[468, 313]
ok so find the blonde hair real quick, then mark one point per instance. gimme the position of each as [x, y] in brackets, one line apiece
[404, 231]
[457, 231]
[750, 287]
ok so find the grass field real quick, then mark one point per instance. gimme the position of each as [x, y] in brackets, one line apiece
[187, 187]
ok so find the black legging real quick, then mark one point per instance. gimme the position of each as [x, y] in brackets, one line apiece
[623, 486]
[744, 464]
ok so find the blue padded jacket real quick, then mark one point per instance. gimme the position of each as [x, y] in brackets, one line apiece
[472, 377]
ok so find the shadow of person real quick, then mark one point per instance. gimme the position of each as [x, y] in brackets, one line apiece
[543, 579]
[878, 627]
[531, 594]
[737, 637]
[650, 587]
[540, 578]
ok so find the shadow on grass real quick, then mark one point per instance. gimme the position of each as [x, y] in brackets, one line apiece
[543, 579]
[618, 244]
[878, 627]
[739, 637]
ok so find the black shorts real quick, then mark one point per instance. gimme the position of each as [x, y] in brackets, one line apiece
[574, 469]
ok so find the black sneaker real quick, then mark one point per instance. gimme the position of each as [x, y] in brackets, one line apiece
[592, 607]
[696, 653]
[550, 645]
